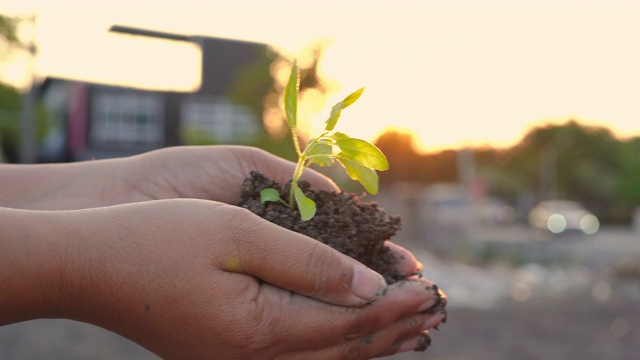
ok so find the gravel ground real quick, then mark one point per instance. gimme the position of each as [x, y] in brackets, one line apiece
[65, 340]
[568, 328]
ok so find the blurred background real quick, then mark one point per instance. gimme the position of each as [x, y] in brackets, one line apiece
[512, 131]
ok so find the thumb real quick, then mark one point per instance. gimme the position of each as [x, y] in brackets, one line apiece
[295, 262]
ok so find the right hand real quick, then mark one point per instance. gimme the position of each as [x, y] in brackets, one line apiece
[195, 279]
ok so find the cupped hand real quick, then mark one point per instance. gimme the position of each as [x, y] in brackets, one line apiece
[207, 172]
[216, 173]
[192, 279]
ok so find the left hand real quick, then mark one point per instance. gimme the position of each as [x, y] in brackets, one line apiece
[200, 172]
[207, 172]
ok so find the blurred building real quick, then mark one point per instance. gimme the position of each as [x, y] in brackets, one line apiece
[91, 120]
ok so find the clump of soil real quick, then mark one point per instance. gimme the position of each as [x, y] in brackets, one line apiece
[342, 221]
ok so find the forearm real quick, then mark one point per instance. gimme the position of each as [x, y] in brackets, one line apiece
[60, 186]
[60, 264]
[31, 265]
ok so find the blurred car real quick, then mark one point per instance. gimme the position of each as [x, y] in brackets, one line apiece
[494, 211]
[559, 216]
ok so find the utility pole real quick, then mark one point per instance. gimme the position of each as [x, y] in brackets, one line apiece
[466, 176]
[28, 120]
[466, 172]
[548, 172]
[548, 165]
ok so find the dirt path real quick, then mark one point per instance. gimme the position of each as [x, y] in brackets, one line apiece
[567, 329]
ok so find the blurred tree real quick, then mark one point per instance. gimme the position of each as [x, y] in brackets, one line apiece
[500, 178]
[313, 91]
[9, 95]
[268, 75]
[404, 163]
[571, 161]
[11, 99]
[587, 164]
[629, 185]
[8, 30]
[441, 166]
[407, 164]
[9, 122]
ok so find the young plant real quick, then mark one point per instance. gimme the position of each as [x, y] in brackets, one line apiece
[359, 158]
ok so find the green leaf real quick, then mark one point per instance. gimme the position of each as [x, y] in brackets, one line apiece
[336, 110]
[291, 97]
[320, 149]
[320, 153]
[272, 195]
[366, 176]
[340, 136]
[364, 153]
[352, 97]
[322, 160]
[306, 206]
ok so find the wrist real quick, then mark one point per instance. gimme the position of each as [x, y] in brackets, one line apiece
[32, 266]
[62, 186]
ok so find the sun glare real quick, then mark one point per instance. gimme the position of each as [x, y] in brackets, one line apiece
[453, 75]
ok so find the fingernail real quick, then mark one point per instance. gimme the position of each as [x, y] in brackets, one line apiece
[434, 321]
[427, 304]
[439, 300]
[409, 345]
[367, 284]
[433, 300]
[424, 341]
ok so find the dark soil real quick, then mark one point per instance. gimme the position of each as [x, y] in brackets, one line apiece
[342, 221]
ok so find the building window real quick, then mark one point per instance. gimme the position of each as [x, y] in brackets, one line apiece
[127, 118]
[216, 120]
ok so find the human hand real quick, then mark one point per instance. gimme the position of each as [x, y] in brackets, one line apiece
[200, 279]
[200, 172]
[217, 173]
[207, 172]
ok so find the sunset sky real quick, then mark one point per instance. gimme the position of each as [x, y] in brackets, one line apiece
[454, 72]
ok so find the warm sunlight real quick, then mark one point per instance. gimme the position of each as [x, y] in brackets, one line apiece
[456, 73]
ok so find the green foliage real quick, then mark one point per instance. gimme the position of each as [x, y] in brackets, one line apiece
[360, 158]
[291, 98]
[574, 161]
[8, 29]
[10, 117]
[629, 184]
[267, 195]
[10, 103]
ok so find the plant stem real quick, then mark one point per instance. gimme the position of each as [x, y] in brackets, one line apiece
[298, 171]
[302, 158]
[296, 143]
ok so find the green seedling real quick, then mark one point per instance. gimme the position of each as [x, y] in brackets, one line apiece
[359, 158]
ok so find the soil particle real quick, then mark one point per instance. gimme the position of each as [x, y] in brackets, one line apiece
[368, 339]
[342, 221]
[425, 342]
[440, 304]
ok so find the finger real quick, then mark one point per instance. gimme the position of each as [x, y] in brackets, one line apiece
[420, 342]
[382, 328]
[404, 335]
[247, 159]
[398, 336]
[407, 263]
[334, 325]
[215, 172]
[292, 261]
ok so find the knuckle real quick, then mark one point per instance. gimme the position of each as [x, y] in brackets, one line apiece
[330, 276]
